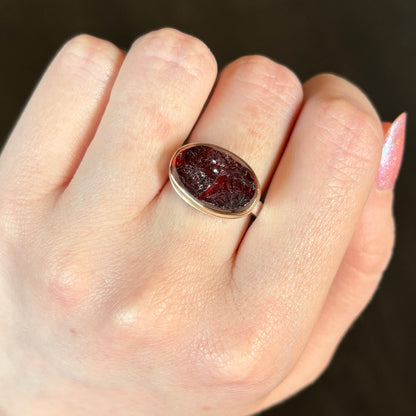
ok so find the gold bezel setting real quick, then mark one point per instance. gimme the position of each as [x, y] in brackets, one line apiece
[202, 206]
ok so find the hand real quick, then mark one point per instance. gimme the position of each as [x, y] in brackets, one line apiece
[116, 297]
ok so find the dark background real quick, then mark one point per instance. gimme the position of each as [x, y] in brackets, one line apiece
[373, 43]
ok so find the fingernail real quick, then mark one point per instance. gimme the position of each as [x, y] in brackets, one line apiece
[391, 156]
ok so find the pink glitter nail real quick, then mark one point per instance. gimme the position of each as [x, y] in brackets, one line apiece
[391, 157]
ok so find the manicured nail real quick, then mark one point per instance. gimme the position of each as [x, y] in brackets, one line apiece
[391, 156]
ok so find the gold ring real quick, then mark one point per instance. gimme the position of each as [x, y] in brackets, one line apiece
[215, 181]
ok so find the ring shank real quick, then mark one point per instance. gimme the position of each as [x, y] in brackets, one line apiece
[257, 209]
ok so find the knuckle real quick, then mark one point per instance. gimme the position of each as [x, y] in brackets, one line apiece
[66, 280]
[266, 82]
[355, 126]
[218, 367]
[233, 363]
[87, 57]
[352, 135]
[159, 327]
[173, 48]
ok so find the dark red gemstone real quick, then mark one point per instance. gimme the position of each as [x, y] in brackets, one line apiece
[215, 177]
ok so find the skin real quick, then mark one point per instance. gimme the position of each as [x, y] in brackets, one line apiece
[116, 297]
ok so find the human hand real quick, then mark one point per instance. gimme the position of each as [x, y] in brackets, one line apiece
[116, 297]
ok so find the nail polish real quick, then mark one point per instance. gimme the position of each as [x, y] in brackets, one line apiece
[392, 153]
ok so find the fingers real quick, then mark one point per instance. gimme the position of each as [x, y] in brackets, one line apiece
[60, 119]
[355, 283]
[312, 207]
[352, 289]
[250, 112]
[157, 97]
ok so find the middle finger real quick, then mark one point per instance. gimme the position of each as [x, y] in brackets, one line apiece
[159, 92]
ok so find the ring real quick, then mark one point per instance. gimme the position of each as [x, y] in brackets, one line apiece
[214, 180]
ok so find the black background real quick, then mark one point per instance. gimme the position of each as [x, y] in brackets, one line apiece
[373, 43]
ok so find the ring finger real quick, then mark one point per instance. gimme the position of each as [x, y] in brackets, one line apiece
[250, 113]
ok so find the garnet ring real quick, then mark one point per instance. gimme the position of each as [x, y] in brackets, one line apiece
[214, 180]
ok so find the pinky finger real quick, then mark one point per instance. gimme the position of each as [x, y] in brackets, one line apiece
[358, 276]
